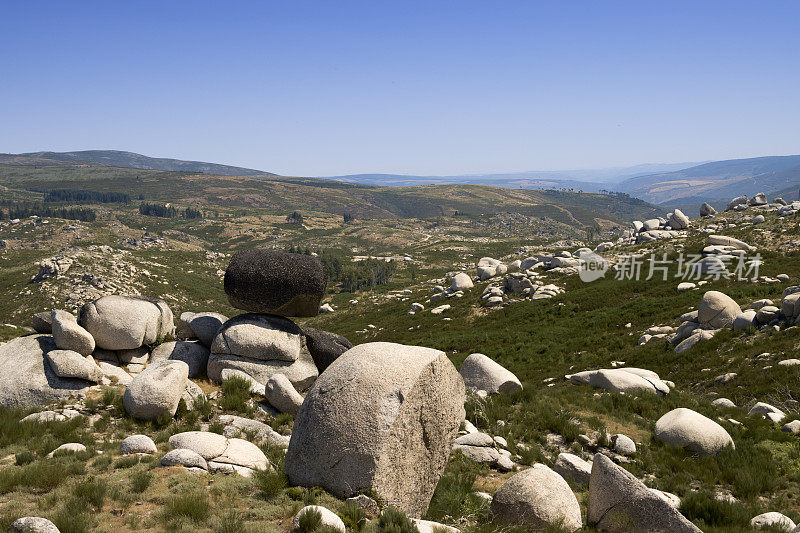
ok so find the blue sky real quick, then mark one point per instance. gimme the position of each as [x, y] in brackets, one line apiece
[336, 87]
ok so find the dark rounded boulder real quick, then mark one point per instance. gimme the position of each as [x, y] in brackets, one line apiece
[277, 283]
[325, 346]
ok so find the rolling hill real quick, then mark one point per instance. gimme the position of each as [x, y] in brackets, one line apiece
[116, 158]
[284, 195]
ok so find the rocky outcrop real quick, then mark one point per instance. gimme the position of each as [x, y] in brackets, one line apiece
[621, 380]
[325, 346]
[261, 346]
[717, 310]
[194, 354]
[69, 364]
[68, 335]
[201, 326]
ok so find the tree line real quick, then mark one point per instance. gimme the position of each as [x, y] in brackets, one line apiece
[353, 276]
[79, 196]
[26, 210]
[168, 211]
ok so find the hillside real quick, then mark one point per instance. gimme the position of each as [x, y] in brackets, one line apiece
[283, 195]
[717, 181]
[540, 337]
[116, 158]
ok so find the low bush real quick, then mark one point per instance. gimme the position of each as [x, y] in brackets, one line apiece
[235, 394]
[140, 481]
[269, 484]
[192, 506]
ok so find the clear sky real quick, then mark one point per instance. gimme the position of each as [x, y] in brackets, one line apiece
[436, 87]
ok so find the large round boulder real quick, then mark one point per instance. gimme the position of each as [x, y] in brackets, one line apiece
[257, 336]
[481, 373]
[537, 498]
[689, 429]
[261, 346]
[26, 378]
[126, 322]
[278, 283]
[619, 502]
[156, 390]
[717, 310]
[325, 346]
[382, 417]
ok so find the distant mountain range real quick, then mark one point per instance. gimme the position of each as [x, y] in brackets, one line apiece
[718, 181]
[587, 180]
[673, 184]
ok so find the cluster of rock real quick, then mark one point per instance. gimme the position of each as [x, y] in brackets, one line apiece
[68, 354]
[53, 267]
[659, 228]
[718, 311]
[526, 284]
[203, 451]
[484, 448]
[119, 339]
[741, 203]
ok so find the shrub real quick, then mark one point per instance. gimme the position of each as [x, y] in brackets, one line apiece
[230, 522]
[704, 508]
[193, 506]
[353, 516]
[73, 517]
[310, 521]
[235, 394]
[102, 462]
[451, 497]
[42, 475]
[269, 484]
[202, 406]
[92, 491]
[140, 481]
[24, 458]
[294, 218]
[127, 461]
[395, 521]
